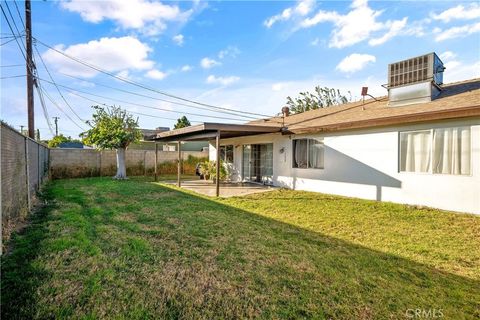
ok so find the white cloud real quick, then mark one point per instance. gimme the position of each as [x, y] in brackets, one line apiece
[302, 8]
[456, 70]
[156, 74]
[148, 16]
[179, 39]
[279, 86]
[208, 63]
[458, 13]
[107, 53]
[396, 28]
[186, 68]
[257, 95]
[447, 56]
[459, 71]
[355, 62]
[315, 42]
[224, 81]
[124, 74]
[230, 51]
[458, 32]
[357, 25]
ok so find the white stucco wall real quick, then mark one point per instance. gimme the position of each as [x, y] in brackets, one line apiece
[364, 164]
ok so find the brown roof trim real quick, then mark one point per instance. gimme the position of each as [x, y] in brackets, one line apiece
[208, 130]
[456, 113]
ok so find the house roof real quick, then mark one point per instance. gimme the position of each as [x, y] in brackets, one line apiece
[208, 130]
[456, 100]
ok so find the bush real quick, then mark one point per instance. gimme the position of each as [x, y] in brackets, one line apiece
[209, 170]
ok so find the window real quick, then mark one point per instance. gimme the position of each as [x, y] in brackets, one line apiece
[226, 153]
[308, 153]
[441, 151]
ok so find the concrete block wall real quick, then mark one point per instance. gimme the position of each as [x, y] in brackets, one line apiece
[24, 167]
[74, 163]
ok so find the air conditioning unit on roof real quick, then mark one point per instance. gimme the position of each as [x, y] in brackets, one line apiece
[415, 80]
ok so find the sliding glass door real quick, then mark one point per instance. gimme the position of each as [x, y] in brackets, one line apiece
[257, 164]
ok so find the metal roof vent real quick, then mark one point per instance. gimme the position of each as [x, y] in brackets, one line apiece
[415, 80]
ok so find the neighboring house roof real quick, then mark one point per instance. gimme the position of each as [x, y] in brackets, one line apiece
[77, 145]
[148, 133]
[456, 100]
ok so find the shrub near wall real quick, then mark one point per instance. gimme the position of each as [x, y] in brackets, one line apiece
[79, 163]
[188, 166]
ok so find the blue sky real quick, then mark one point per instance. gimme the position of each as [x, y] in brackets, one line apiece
[245, 55]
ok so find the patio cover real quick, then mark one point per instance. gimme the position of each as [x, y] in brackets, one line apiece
[210, 131]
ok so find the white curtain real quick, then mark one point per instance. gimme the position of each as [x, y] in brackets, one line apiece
[315, 154]
[416, 149]
[451, 150]
[300, 153]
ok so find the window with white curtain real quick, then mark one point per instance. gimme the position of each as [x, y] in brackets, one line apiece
[440, 151]
[308, 153]
[451, 150]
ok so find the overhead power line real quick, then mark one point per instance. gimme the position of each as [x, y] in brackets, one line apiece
[60, 108]
[134, 112]
[55, 84]
[12, 65]
[10, 77]
[70, 89]
[159, 99]
[145, 86]
[13, 33]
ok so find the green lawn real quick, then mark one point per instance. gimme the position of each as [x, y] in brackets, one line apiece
[142, 250]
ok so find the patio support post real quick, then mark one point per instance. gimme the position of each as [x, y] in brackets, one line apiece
[179, 183]
[156, 160]
[217, 179]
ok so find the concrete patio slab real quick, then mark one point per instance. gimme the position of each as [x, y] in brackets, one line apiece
[226, 189]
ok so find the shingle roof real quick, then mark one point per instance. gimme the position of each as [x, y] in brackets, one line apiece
[457, 100]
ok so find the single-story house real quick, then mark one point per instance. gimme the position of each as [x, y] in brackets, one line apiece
[419, 145]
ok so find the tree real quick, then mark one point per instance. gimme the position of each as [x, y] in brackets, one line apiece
[320, 98]
[182, 123]
[112, 128]
[57, 140]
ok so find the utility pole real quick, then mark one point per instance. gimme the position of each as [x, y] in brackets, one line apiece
[21, 129]
[28, 40]
[55, 119]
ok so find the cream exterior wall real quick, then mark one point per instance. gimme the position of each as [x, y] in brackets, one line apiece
[365, 164]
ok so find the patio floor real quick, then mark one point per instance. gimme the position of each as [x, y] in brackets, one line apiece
[226, 189]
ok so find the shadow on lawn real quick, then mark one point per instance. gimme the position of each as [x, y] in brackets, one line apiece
[263, 267]
[20, 276]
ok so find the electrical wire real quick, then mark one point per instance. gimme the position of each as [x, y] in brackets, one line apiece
[156, 98]
[60, 108]
[10, 77]
[144, 86]
[16, 38]
[134, 112]
[70, 89]
[19, 14]
[7, 42]
[54, 83]
[44, 107]
[11, 65]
